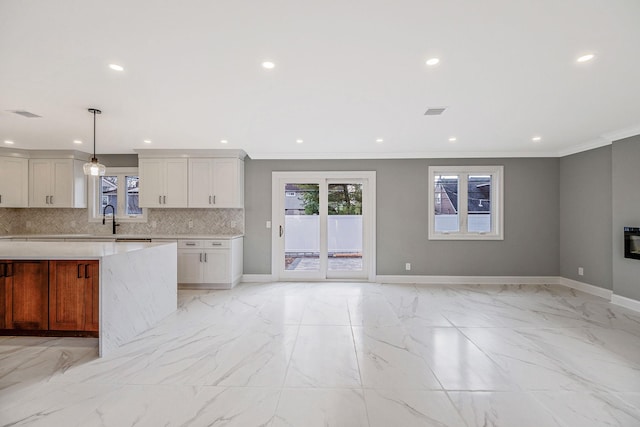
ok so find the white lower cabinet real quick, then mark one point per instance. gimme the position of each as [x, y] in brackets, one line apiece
[209, 263]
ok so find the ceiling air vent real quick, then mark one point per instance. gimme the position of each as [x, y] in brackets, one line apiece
[26, 114]
[434, 111]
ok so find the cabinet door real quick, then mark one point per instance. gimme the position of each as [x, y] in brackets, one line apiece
[176, 183]
[92, 297]
[62, 181]
[151, 182]
[14, 179]
[200, 183]
[26, 294]
[67, 289]
[39, 183]
[190, 265]
[217, 266]
[225, 183]
[3, 292]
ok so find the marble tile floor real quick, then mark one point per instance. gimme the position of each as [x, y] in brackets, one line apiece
[343, 354]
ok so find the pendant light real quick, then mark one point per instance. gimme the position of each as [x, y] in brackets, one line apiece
[92, 167]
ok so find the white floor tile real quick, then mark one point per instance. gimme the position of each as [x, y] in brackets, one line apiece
[321, 408]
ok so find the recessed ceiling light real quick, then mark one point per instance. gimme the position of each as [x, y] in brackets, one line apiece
[299, 141]
[268, 65]
[433, 61]
[379, 140]
[77, 141]
[147, 141]
[536, 138]
[116, 67]
[6, 141]
[586, 58]
[453, 139]
[224, 141]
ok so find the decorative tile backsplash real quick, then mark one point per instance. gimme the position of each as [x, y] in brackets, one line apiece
[167, 221]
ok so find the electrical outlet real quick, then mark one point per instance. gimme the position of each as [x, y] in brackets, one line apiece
[190, 223]
[580, 271]
[233, 224]
[268, 224]
[407, 266]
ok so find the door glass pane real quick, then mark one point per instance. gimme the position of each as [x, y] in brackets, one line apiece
[446, 203]
[479, 203]
[344, 227]
[108, 193]
[302, 227]
[132, 205]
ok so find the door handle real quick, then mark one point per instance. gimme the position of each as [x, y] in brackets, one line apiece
[159, 200]
[79, 273]
[209, 199]
[3, 270]
[86, 271]
[47, 200]
[281, 231]
[0, 198]
[214, 199]
[205, 257]
[164, 200]
[51, 199]
[200, 256]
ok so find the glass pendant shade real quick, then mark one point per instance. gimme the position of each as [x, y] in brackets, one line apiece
[93, 168]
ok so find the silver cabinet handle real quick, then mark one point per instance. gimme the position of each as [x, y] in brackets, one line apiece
[51, 199]
[0, 198]
[281, 231]
[190, 243]
[164, 200]
[200, 256]
[205, 257]
[214, 199]
[159, 200]
[47, 202]
[209, 199]
[216, 243]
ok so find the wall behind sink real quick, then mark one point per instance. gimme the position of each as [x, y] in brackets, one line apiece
[76, 221]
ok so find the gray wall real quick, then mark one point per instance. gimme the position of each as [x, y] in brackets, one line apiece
[626, 212]
[530, 247]
[586, 217]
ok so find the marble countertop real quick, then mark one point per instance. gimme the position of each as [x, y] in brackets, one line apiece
[68, 250]
[122, 236]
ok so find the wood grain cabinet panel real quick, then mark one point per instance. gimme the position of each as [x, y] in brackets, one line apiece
[25, 300]
[73, 299]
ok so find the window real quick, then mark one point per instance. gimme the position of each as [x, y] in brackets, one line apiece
[465, 203]
[118, 188]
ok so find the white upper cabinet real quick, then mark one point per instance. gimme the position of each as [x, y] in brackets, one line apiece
[216, 183]
[14, 182]
[163, 182]
[57, 183]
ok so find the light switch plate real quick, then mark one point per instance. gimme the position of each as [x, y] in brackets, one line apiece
[268, 224]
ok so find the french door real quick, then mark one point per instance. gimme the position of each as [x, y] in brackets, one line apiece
[323, 225]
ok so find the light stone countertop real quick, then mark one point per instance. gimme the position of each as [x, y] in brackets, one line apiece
[68, 250]
[122, 236]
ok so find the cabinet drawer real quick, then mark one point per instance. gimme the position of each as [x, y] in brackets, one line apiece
[189, 244]
[217, 244]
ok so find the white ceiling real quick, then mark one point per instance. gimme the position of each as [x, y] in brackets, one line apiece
[347, 73]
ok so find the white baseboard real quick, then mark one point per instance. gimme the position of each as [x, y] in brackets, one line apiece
[256, 278]
[470, 280]
[625, 302]
[587, 288]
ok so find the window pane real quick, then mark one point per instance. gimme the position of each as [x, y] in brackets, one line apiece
[132, 205]
[479, 203]
[344, 227]
[108, 193]
[446, 203]
[302, 227]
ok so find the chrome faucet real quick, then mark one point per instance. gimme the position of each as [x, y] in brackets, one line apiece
[113, 217]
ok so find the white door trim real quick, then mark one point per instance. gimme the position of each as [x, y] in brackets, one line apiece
[369, 219]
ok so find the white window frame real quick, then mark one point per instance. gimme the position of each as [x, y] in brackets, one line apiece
[497, 202]
[95, 214]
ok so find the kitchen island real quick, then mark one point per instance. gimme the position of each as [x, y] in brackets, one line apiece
[136, 284]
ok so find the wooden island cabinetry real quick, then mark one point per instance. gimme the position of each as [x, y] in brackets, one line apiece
[73, 295]
[49, 296]
[24, 289]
